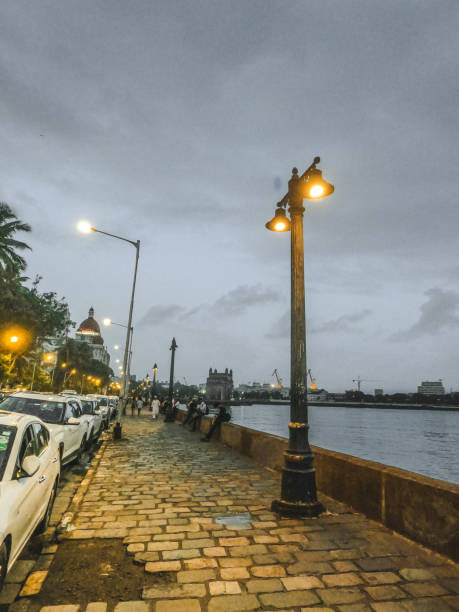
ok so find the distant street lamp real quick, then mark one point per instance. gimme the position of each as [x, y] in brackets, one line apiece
[298, 489]
[173, 348]
[86, 228]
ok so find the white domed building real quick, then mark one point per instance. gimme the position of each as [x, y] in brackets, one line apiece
[89, 332]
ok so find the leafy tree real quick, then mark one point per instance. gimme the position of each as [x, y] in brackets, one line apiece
[9, 225]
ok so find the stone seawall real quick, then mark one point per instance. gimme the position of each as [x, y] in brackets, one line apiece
[423, 509]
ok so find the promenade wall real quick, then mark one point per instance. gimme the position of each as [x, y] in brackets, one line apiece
[423, 509]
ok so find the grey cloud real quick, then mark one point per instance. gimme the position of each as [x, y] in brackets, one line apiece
[280, 328]
[158, 314]
[235, 302]
[238, 300]
[344, 324]
[440, 312]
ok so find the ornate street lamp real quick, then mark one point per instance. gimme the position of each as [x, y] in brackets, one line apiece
[298, 490]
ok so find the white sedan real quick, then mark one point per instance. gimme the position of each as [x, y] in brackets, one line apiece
[29, 475]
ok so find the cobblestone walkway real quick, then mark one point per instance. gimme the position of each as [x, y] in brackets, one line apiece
[167, 497]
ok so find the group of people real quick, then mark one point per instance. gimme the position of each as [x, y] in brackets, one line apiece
[196, 409]
[195, 412]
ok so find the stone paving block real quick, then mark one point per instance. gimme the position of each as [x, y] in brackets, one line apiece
[196, 543]
[380, 577]
[301, 582]
[268, 571]
[215, 551]
[235, 561]
[251, 549]
[133, 548]
[33, 584]
[174, 591]
[425, 589]
[203, 575]
[371, 564]
[385, 592]
[160, 546]
[317, 609]
[413, 573]
[132, 606]
[264, 539]
[333, 596]
[261, 585]
[336, 580]
[9, 593]
[64, 608]
[144, 557]
[234, 573]
[163, 566]
[233, 541]
[224, 587]
[345, 566]
[291, 599]
[169, 555]
[96, 606]
[233, 603]
[20, 571]
[180, 605]
[200, 563]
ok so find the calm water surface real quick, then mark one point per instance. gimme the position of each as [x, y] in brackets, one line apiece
[417, 440]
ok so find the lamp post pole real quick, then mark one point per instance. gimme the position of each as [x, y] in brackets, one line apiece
[171, 377]
[298, 489]
[86, 227]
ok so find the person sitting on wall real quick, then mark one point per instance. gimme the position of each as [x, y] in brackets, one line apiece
[223, 416]
[191, 411]
[201, 410]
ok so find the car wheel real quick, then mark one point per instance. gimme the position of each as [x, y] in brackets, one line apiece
[43, 524]
[3, 563]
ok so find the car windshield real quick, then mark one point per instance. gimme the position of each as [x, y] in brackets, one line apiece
[46, 410]
[6, 442]
[88, 407]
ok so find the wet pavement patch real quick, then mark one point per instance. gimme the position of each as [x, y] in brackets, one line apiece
[242, 519]
[94, 570]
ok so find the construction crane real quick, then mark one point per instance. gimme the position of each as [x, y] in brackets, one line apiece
[359, 380]
[278, 378]
[313, 381]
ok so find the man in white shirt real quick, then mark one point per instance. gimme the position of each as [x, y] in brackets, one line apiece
[155, 407]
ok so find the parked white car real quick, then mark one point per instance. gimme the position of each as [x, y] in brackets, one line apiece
[104, 407]
[61, 415]
[29, 475]
[87, 415]
[92, 412]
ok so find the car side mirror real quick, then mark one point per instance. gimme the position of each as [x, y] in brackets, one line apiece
[72, 421]
[30, 465]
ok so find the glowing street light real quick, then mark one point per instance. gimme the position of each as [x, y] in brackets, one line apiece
[298, 489]
[107, 322]
[85, 227]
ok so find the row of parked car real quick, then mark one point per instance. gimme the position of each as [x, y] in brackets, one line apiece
[39, 433]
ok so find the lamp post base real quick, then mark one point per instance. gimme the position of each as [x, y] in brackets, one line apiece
[301, 509]
[117, 431]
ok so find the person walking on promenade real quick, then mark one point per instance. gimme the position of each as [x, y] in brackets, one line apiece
[139, 405]
[155, 407]
[223, 416]
[132, 402]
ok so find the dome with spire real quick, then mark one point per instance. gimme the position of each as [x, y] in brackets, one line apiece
[90, 327]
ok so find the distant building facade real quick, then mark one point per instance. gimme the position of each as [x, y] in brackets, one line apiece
[431, 388]
[89, 333]
[219, 385]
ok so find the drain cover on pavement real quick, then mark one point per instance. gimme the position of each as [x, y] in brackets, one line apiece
[242, 519]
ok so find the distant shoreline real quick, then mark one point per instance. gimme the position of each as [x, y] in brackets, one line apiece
[349, 405]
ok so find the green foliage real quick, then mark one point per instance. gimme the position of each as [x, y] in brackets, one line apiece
[9, 225]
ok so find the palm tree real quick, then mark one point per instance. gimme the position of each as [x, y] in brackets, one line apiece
[9, 225]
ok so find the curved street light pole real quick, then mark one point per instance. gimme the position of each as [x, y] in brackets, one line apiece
[86, 228]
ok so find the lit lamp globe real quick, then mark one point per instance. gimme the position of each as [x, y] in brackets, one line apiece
[315, 187]
[280, 222]
[107, 321]
[84, 227]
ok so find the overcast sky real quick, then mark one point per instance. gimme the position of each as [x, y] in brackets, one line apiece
[178, 124]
